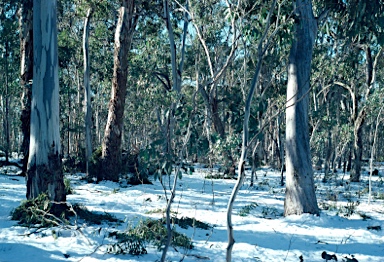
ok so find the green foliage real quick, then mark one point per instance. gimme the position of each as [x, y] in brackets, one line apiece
[95, 164]
[67, 185]
[379, 195]
[148, 231]
[35, 213]
[185, 222]
[38, 213]
[268, 212]
[245, 211]
[350, 208]
[127, 244]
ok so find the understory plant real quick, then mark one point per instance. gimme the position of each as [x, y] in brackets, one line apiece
[149, 231]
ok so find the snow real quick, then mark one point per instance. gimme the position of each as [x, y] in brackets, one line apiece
[262, 235]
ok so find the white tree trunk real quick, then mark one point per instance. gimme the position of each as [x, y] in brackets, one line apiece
[244, 148]
[44, 174]
[87, 93]
[300, 191]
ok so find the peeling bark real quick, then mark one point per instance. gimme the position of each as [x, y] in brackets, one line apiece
[44, 172]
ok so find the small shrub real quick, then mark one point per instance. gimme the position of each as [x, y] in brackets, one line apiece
[127, 244]
[219, 176]
[36, 213]
[95, 165]
[244, 211]
[67, 185]
[185, 222]
[328, 206]
[156, 211]
[270, 212]
[154, 232]
[379, 195]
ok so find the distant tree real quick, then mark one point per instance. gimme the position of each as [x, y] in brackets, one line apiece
[44, 173]
[360, 25]
[26, 74]
[300, 194]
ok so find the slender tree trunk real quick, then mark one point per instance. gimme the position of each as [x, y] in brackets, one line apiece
[300, 191]
[358, 146]
[26, 74]
[6, 117]
[373, 152]
[44, 174]
[111, 147]
[87, 92]
[245, 138]
[177, 71]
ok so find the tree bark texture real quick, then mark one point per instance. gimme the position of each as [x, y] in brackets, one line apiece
[300, 192]
[44, 174]
[26, 74]
[111, 147]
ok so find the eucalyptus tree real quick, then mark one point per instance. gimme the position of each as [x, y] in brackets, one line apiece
[7, 63]
[26, 73]
[216, 35]
[300, 194]
[177, 72]
[87, 90]
[101, 49]
[70, 25]
[44, 173]
[263, 45]
[361, 25]
[111, 146]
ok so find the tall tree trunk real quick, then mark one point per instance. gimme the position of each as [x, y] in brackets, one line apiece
[111, 147]
[26, 74]
[300, 191]
[44, 174]
[87, 92]
[6, 96]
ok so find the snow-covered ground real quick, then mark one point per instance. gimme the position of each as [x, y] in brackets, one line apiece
[262, 235]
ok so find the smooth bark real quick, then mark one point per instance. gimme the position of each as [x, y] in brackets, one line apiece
[87, 92]
[44, 173]
[262, 47]
[177, 71]
[300, 191]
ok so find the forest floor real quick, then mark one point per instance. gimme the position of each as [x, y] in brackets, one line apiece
[347, 227]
